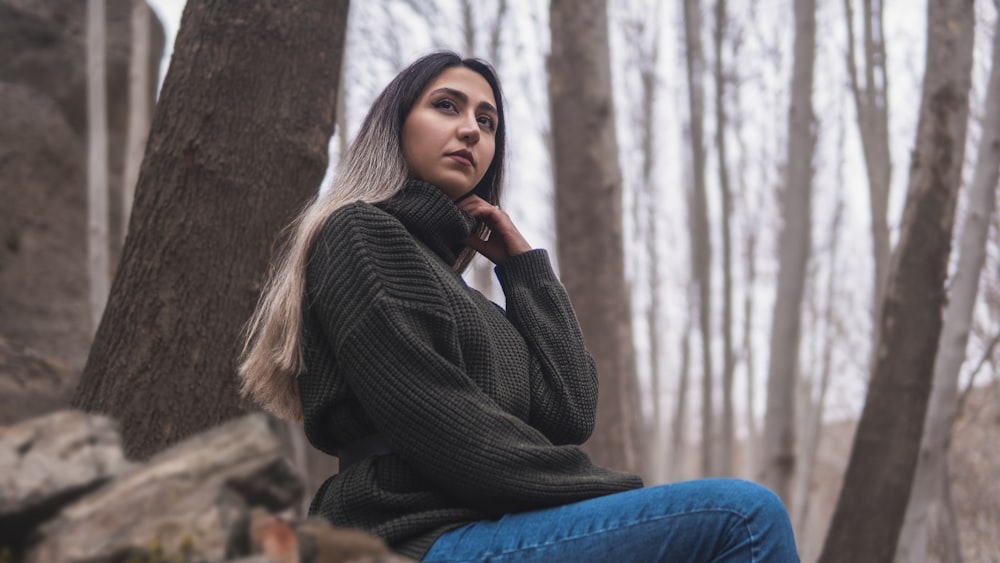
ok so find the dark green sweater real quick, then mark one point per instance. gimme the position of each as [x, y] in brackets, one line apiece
[482, 409]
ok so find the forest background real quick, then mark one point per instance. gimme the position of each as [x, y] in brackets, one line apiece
[756, 173]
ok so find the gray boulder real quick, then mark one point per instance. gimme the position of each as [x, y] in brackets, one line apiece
[50, 461]
[189, 501]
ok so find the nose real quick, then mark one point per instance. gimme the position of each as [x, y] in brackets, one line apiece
[468, 129]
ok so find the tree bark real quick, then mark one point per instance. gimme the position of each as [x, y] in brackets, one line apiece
[701, 244]
[793, 247]
[872, 503]
[98, 249]
[238, 144]
[963, 291]
[588, 208]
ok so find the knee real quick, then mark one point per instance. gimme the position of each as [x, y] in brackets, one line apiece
[767, 521]
[758, 501]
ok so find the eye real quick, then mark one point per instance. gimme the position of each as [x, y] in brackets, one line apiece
[488, 122]
[445, 104]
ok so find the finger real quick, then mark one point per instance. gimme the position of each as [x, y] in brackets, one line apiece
[471, 202]
[485, 248]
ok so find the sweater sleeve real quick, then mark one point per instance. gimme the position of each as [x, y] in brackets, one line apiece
[396, 344]
[563, 375]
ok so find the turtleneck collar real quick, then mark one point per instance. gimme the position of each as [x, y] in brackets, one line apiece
[430, 216]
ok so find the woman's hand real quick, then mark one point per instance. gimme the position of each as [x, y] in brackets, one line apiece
[503, 240]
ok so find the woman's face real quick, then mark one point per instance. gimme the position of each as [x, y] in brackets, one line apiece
[449, 135]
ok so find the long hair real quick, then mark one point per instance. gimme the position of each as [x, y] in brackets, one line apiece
[373, 169]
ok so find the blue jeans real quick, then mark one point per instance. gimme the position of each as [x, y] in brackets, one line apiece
[709, 520]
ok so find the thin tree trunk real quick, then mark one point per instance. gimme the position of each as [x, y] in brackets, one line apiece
[678, 433]
[725, 463]
[814, 417]
[701, 245]
[793, 248]
[879, 476]
[748, 357]
[871, 102]
[297, 443]
[963, 291]
[238, 145]
[750, 248]
[138, 110]
[588, 207]
[98, 249]
[948, 528]
[651, 237]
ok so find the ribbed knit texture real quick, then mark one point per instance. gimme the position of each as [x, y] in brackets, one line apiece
[482, 409]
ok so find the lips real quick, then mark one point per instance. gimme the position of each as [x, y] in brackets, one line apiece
[463, 156]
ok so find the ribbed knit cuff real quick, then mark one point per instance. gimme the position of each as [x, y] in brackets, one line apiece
[530, 269]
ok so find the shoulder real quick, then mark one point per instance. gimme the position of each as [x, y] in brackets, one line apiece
[358, 227]
[362, 252]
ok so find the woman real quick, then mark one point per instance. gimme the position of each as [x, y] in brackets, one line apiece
[457, 423]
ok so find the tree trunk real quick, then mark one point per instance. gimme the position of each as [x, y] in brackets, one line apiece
[793, 247]
[701, 244]
[649, 56]
[748, 356]
[138, 107]
[98, 248]
[813, 421]
[871, 103]
[869, 513]
[963, 291]
[588, 207]
[678, 433]
[238, 144]
[725, 462]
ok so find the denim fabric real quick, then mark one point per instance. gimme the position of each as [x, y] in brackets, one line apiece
[709, 520]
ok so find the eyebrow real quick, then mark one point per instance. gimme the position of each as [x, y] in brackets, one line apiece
[483, 106]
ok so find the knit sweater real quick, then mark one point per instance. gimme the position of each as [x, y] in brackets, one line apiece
[482, 409]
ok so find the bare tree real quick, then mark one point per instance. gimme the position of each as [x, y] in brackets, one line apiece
[816, 401]
[871, 103]
[725, 462]
[98, 249]
[678, 430]
[234, 154]
[793, 256]
[649, 55]
[138, 105]
[588, 208]
[701, 244]
[872, 503]
[747, 349]
[926, 495]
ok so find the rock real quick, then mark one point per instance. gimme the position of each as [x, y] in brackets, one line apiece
[43, 225]
[49, 461]
[43, 229]
[31, 385]
[191, 500]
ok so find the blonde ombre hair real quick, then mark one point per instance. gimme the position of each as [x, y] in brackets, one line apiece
[372, 170]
